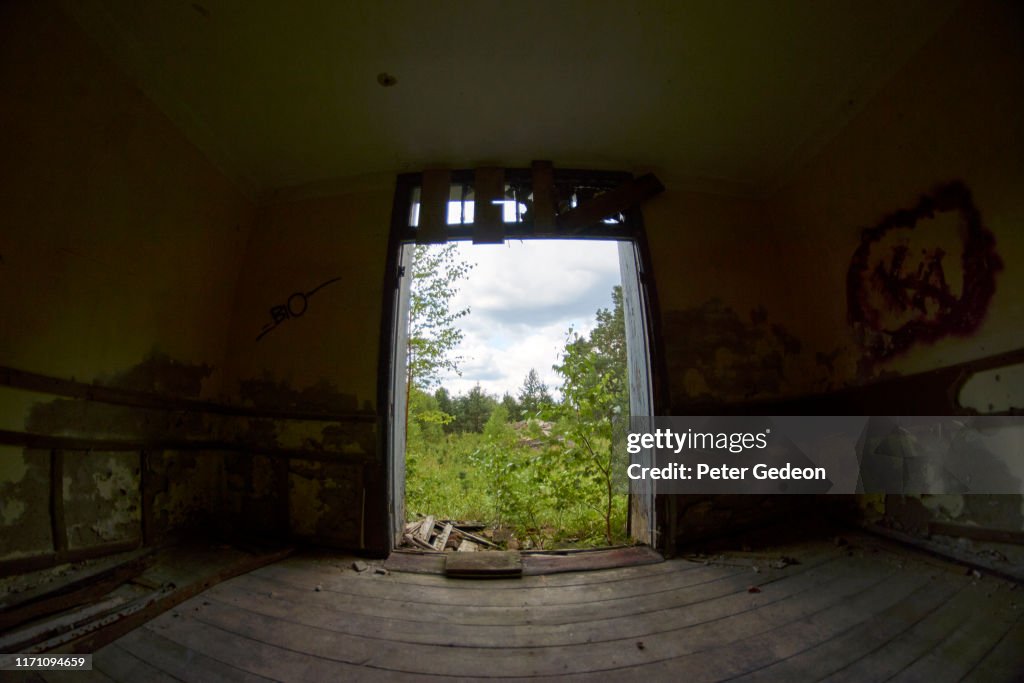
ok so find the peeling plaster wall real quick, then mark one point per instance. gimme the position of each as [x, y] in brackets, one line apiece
[102, 498]
[119, 254]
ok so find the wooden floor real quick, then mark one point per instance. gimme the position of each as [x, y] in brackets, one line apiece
[866, 611]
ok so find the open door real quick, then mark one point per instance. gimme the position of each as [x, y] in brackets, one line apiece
[634, 304]
[397, 405]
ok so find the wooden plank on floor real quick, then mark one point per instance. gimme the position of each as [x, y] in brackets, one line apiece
[528, 626]
[257, 656]
[94, 676]
[121, 665]
[177, 660]
[415, 562]
[1005, 662]
[427, 578]
[24, 639]
[836, 653]
[667, 621]
[78, 588]
[535, 564]
[504, 564]
[955, 656]
[437, 602]
[385, 589]
[207, 566]
[744, 646]
[916, 642]
[546, 660]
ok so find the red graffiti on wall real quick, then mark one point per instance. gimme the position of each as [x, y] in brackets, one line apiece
[922, 274]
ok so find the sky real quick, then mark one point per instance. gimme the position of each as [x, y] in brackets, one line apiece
[523, 298]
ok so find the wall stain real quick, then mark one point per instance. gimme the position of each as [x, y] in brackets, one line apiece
[714, 353]
[902, 290]
[102, 501]
[24, 504]
[160, 374]
[268, 392]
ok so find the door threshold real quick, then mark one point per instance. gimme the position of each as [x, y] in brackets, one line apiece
[535, 562]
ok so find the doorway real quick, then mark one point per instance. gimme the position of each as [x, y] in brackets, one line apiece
[631, 301]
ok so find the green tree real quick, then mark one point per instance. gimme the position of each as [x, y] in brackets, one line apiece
[512, 407]
[595, 392]
[533, 396]
[472, 410]
[433, 334]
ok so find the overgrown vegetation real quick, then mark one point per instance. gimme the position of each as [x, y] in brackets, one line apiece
[537, 468]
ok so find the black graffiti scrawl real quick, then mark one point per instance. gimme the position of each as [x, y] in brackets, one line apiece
[922, 274]
[294, 307]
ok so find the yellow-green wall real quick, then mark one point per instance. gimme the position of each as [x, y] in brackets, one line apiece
[120, 247]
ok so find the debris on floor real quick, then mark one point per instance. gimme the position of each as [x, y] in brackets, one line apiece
[443, 535]
[757, 561]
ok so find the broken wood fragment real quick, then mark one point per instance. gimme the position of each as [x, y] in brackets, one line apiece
[614, 201]
[417, 542]
[543, 177]
[81, 588]
[435, 192]
[488, 207]
[426, 529]
[442, 538]
[479, 540]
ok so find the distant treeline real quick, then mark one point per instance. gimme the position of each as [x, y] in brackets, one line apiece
[469, 412]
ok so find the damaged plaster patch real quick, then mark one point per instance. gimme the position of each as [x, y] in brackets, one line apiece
[159, 373]
[185, 488]
[950, 506]
[720, 356]
[103, 505]
[13, 468]
[325, 500]
[24, 503]
[11, 511]
[306, 508]
[268, 392]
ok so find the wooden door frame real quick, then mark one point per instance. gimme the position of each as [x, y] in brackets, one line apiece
[401, 234]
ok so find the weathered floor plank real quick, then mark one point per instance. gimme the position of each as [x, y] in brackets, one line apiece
[877, 613]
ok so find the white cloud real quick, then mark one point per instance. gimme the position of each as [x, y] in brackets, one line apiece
[523, 297]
